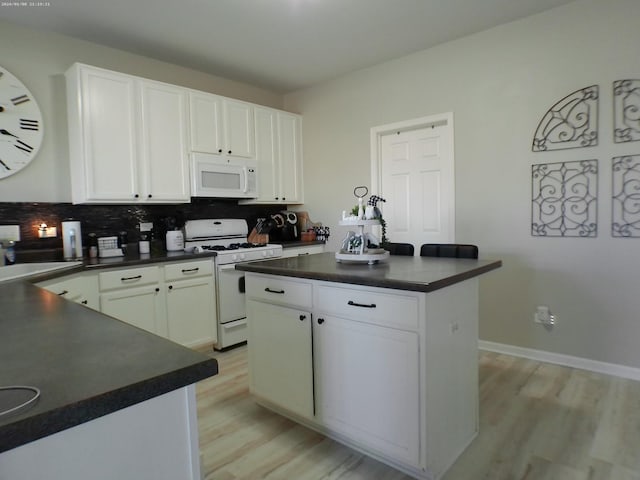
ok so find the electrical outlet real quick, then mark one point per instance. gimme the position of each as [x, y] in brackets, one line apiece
[544, 316]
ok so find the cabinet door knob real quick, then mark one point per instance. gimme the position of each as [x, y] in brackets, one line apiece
[157, 289]
[149, 196]
[302, 317]
[170, 287]
[136, 196]
[84, 302]
[284, 198]
[320, 321]
[229, 152]
[219, 150]
[63, 293]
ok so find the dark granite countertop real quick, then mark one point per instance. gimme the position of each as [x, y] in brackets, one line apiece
[86, 364]
[421, 274]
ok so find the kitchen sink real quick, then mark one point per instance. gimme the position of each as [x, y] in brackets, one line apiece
[11, 272]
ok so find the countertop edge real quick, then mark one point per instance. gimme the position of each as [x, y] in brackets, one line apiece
[48, 423]
[371, 282]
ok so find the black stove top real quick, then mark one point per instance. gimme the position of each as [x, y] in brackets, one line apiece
[233, 246]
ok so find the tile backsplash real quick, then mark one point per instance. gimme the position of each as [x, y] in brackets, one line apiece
[107, 220]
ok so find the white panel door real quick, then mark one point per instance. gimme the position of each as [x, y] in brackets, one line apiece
[417, 179]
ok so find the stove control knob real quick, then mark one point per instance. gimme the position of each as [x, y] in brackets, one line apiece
[242, 256]
[270, 253]
[264, 253]
[234, 257]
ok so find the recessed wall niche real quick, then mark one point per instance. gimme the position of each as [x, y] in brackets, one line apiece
[564, 199]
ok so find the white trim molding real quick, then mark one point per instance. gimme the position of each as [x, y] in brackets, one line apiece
[561, 359]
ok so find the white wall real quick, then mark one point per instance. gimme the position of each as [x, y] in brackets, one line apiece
[499, 83]
[39, 60]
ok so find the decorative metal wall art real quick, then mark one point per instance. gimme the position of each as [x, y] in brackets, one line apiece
[570, 123]
[564, 199]
[625, 215]
[626, 111]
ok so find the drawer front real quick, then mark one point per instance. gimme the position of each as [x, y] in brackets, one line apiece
[299, 251]
[372, 306]
[181, 271]
[129, 277]
[279, 290]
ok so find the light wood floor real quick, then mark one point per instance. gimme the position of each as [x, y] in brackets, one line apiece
[537, 421]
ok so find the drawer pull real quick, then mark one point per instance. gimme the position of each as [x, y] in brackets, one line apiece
[354, 304]
[189, 270]
[84, 302]
[281, 292]
[125, 279]
[303, 254]
[63, 292]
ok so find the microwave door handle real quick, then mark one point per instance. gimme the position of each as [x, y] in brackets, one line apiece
[246, 179]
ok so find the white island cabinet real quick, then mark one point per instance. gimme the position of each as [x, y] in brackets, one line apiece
[390, 370]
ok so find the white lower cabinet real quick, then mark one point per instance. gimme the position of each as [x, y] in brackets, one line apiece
[367, 386]
[138, 306]
[81, 288]
[191, 303]
[176, 300]
[281, 369]
[389, 372]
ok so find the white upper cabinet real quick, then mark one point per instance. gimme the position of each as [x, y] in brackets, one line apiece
[279, 156]
[127, 138]
[164, 158]
[221, 125]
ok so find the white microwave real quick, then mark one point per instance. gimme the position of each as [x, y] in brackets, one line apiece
[222, 176]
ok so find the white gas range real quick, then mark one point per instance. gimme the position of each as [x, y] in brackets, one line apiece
[228, 238]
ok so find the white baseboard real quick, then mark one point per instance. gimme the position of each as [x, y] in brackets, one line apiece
[560, 359]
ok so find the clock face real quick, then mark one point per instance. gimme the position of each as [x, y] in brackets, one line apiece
[20, 125]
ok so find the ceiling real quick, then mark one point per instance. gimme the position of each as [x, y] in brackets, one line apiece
[279, 45]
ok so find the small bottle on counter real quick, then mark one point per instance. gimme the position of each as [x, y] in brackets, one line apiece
[10, 253]
[93, 245]
[144, 245]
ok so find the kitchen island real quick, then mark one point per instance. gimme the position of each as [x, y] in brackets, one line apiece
[380, 357]
[115, 401]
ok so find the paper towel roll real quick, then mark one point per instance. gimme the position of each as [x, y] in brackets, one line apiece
[71, 240]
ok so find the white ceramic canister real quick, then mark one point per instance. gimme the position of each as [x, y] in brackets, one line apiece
[175, 241]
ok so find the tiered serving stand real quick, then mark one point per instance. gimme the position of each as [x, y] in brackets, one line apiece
[371, 255]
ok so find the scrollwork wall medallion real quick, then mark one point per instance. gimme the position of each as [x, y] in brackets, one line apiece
[626, 111]
[570, 123]
[625, 215]
[564, 199]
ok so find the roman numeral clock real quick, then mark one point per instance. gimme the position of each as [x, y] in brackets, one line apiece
[20, 125]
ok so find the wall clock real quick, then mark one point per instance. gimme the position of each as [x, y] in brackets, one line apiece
[20, 125]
